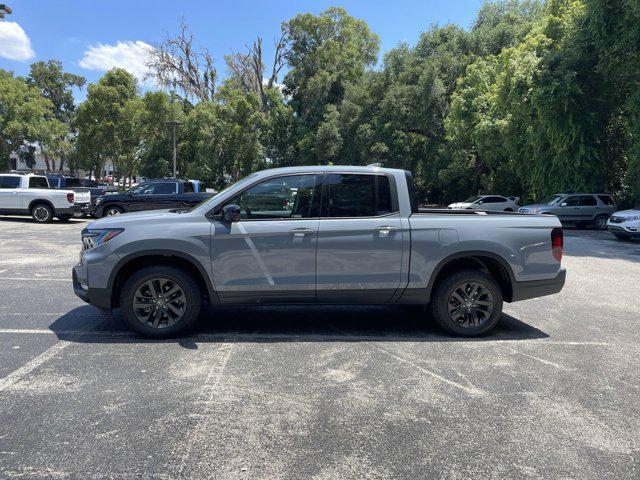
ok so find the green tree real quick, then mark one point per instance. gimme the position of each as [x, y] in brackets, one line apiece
[105, 120]
[26, 117]
[327, 53]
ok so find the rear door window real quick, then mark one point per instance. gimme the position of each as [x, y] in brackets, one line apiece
[588, 201]
[38, 182]
[9, 182]
[494, 200]
[356, 195]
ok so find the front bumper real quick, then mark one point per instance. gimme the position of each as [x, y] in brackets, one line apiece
[98, 297]
[619, 229]
[538, 288]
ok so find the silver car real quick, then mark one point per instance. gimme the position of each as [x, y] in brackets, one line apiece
[581, 209]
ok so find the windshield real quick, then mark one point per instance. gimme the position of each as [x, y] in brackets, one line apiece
[472, 199]
[552, 200]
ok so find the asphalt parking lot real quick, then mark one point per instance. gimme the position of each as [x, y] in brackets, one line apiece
[318, 392]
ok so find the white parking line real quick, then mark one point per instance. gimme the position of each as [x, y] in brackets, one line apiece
[37, 279]
[44, 357]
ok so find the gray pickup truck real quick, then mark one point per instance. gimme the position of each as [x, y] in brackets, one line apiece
[313, 235]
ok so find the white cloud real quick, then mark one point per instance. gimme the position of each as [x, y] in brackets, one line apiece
[14, 42]
[132, 56]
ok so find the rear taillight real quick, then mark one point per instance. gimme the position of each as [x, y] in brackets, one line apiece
[70, 197]
[557, 242]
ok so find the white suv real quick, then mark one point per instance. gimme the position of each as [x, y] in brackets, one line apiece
[28, 194]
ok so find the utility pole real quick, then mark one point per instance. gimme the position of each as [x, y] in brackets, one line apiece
[174, 124]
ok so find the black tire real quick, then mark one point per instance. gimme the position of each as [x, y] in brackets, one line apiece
[442, 297]
[79, 214]
[42, 213]
[626, 238]
[112, 210]
[600, 222]
[190, 305]
[64, 217]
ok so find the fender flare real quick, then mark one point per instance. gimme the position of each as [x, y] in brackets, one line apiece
[211, 293]
[504, 264]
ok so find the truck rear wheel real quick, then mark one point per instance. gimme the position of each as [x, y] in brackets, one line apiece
[160, 301]
[42, 213]
[467, 303]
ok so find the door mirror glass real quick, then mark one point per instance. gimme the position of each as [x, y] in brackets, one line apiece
[231, 213]
[563, 204]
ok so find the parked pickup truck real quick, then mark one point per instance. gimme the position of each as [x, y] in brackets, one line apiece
[318, 235]
[150, 195]
[75, 184]
[27, 194]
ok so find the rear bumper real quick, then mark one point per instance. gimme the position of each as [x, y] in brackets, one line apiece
[538, 288]
[70, 210]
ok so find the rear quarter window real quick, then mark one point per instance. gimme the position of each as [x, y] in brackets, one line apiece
[38, 182]
[606, 199]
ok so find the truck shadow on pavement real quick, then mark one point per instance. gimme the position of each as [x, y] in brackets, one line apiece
[281, 324]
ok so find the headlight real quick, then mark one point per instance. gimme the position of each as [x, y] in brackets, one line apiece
[96, 237]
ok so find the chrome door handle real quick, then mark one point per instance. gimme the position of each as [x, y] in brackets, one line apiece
[386, 229]
[300, 232]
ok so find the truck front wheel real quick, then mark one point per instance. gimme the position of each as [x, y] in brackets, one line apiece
[467, 303]
[160, 301]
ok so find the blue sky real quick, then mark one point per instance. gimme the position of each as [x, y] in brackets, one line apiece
[88, 36]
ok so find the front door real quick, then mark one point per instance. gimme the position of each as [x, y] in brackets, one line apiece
[360, 240]
[569, 209]
[270, 254]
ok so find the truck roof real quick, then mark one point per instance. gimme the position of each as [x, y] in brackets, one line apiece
[21, 174]
[332, 168]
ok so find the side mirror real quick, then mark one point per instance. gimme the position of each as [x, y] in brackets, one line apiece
[231, 213]
[563, 204]
[480, 202]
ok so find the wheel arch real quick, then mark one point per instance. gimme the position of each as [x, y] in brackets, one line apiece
[490, 262]
[173, 258]
[44, 201]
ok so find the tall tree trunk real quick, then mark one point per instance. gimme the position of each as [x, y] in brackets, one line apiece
[46, 162]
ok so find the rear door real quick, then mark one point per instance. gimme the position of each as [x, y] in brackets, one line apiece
[588, 207]
[9, 192]
[360, 239]
[494, 203]
[270, 254]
